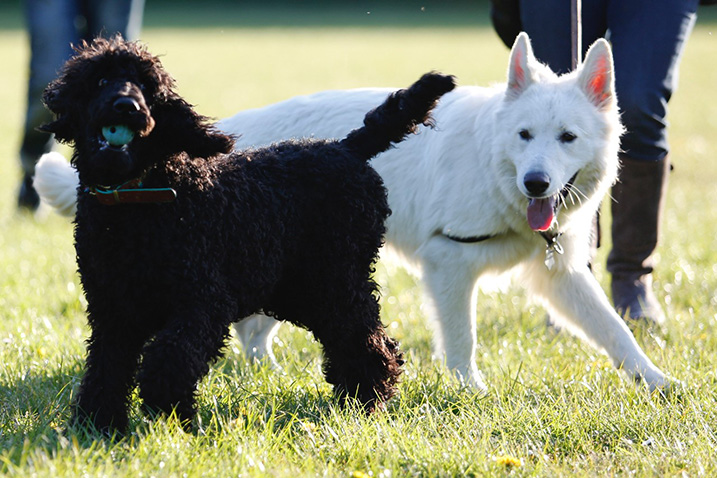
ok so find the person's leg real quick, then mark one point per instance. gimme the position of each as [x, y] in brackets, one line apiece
[648, 37]
[547, 23]
[51, 30]
[107, 18]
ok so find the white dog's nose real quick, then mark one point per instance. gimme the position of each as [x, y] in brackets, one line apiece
[536, 183]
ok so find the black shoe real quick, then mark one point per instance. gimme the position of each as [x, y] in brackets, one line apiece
[635, 300]
[28, 197]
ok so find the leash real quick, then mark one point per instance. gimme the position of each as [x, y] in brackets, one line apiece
[576, 32]
[576, 43]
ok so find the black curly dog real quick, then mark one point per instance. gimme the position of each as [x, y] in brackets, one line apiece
[177, 237]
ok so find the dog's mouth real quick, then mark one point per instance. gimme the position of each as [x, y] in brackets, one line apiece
[542, 212]
[112, 148]
[115, 137]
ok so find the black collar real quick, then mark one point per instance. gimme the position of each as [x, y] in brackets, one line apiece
[469, 239]
[551, 237]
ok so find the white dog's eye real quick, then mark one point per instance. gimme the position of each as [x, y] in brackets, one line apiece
[567, 137]
[102, 82]
[525, 134]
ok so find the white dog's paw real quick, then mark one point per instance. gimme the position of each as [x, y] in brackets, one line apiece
[657, 381]
[472, 377]
[668, 387]
[256, 333]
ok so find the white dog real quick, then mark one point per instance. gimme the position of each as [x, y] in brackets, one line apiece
[510, 178]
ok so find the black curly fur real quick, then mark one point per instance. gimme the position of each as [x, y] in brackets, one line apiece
[292, 230]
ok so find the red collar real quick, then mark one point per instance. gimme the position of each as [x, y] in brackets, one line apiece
[131, 192]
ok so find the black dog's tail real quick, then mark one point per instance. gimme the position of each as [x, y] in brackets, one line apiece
[398, 116]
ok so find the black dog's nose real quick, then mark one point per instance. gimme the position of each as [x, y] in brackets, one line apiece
[536, 183]
[125, 104]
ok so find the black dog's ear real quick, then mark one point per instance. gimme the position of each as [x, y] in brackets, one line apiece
[181, 129]
[56, 100]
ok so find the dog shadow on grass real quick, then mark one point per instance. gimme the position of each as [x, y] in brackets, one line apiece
[34, 409]
[237, 397]
[258, 399]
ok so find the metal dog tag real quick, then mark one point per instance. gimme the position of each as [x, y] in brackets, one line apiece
[551, 249]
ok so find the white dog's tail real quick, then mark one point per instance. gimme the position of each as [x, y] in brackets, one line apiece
[56, 182]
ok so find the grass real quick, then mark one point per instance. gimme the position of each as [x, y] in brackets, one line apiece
[556, 407]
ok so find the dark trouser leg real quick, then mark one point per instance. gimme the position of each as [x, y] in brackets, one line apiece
[660, 27]
[53, 27]
[51, 31]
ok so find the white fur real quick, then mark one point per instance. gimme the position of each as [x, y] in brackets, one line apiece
[466, 178]
[56, 183]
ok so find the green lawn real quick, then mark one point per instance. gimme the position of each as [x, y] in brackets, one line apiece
[556, 406]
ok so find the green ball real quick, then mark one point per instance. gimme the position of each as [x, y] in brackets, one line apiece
[117, 135]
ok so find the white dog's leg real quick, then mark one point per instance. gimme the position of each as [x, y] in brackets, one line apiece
[450, 284]
[256, 334]
[577, 297]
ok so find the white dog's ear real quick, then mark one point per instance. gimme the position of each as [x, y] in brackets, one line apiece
[520, 73]
[596, 77]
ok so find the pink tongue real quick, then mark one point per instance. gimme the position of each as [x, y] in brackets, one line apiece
[540, 214]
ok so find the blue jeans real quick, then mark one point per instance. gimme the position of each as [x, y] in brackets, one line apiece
[647, 37]
[54, 26]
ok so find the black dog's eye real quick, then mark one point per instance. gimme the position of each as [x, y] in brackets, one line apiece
[525, 134]
[102, 82]
[567, 137]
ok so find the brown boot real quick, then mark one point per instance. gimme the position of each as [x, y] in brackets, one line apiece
[636, 211]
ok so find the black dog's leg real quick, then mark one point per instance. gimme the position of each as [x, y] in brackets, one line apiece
[360, 360]
[175, 361]
[103, 397]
